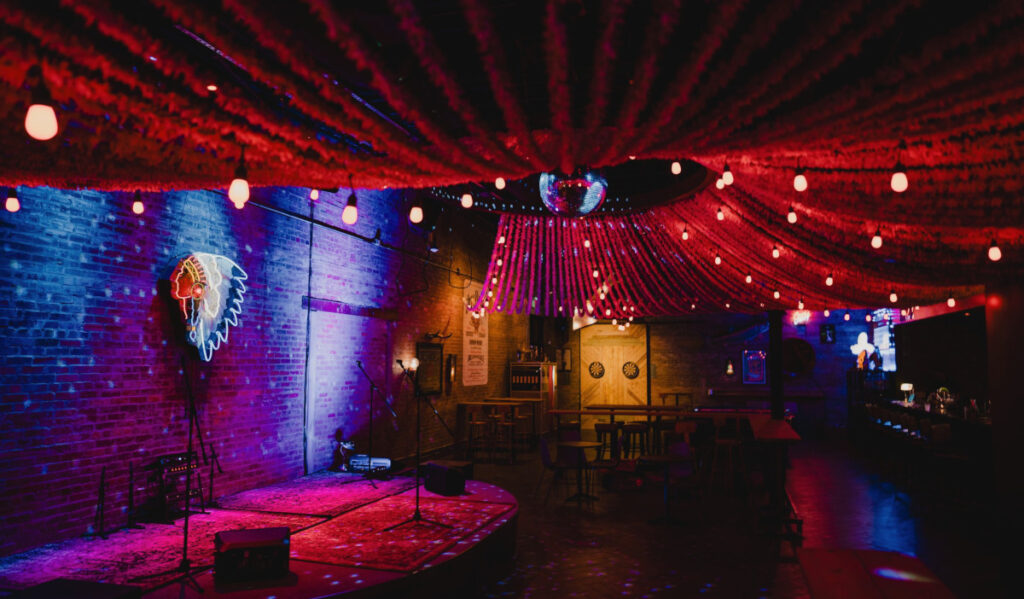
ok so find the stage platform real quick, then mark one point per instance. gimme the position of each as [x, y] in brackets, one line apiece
[340, 545]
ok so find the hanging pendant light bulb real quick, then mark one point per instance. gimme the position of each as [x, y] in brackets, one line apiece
[994, 253]
[727, 177]
[137, 206]
[876, 241]
[893, 297]
[686, 234]
[846, 316]
[499, 262]
[718, 259]
[350, 214]
[951, 301]
[775, 251]
[867, 318]
[238, 191]
[749, 279]
[825, 313]
[467, 200]
[720, 215]
[829, 280]
[899, 181]
[501, 240]
[12, 204]
[41, 118]
[776, 294]
[800, 304]
[314, 194]
[719, 184]
[586, 243]
[799, 180]
[494, 280]
[499, 183]
[791, 216]
[596, 274]
[416, 212]
[676, 167]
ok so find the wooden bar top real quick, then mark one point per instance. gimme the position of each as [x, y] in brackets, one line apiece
[516, 399]
[626, 406]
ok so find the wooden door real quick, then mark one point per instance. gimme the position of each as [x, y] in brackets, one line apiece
[620, 358]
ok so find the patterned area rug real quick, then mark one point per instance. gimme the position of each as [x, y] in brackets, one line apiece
[323, 493]
[128, 554]
[360, 538]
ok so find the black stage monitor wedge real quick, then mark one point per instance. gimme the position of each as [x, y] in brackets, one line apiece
[444, 480]
[251, 555]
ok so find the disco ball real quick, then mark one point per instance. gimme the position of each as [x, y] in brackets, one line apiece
[576, 195]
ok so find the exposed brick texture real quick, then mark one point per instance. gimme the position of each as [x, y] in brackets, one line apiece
[92, 358]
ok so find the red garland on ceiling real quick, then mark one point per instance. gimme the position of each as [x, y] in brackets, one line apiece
[416, 95]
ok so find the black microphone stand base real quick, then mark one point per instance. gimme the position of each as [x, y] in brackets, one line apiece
[417, 519]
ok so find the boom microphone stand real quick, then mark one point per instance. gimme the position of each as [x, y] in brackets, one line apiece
[185, 565]
[369, 474]
[416, 518]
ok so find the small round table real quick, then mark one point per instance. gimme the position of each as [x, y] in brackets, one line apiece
[581, 447]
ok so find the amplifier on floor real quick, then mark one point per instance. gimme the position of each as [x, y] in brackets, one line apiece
[251, 555]
[443, 480]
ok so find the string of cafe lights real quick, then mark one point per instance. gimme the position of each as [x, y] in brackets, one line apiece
[41, 124]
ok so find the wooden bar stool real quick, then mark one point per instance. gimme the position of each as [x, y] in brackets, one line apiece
[635, 437]
[607, 433]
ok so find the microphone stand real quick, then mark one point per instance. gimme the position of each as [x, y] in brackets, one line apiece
[370, 474]
[416, 518]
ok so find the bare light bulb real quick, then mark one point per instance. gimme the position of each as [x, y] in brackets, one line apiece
[350, 214]
[137, 206]
[686, 234]
[800, 181]
[12, 204]
[776, 294]
[846, 316]
[718, 260]
[994, 253]
[607, 311]
[590, 306]
[899, 181]
[775, 251]
[893, 297]
[467, 200]
[499, 262]
[676, 167]
[314, 194]
[825, 313]
[876, 241]
[499, 183]
[800, 304]
[41, 122]
[501, 240]
[749, 279]
[416, 214]
[867, 318]
[727, 177]
[719, 183]
[494, 280]
[586, 243]
[595, 273]
[791, 217]
[238, 191]
[951, 301]
[720, 215]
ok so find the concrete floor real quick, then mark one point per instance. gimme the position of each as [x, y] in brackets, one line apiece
[720, 548]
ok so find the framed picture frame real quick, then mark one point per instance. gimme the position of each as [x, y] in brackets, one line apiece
[754, 372]
[430, 374]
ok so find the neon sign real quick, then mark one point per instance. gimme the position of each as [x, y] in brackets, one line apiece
[209, 289]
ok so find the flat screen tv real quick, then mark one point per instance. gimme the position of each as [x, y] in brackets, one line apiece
[944, 351]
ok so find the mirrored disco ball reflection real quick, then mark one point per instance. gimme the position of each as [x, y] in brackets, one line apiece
[577, 195]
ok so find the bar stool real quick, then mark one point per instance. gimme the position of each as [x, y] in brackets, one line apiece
[479, 434]
[635, 437]
[607, 432]
[727, 458]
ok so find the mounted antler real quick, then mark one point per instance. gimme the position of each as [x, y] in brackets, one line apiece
[440, 333]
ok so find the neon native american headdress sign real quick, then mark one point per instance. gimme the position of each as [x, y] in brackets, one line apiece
[209, 289]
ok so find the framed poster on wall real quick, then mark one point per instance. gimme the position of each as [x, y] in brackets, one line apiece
[754, 372]
[430, 374]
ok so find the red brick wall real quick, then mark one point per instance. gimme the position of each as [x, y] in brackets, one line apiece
[92, 354]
